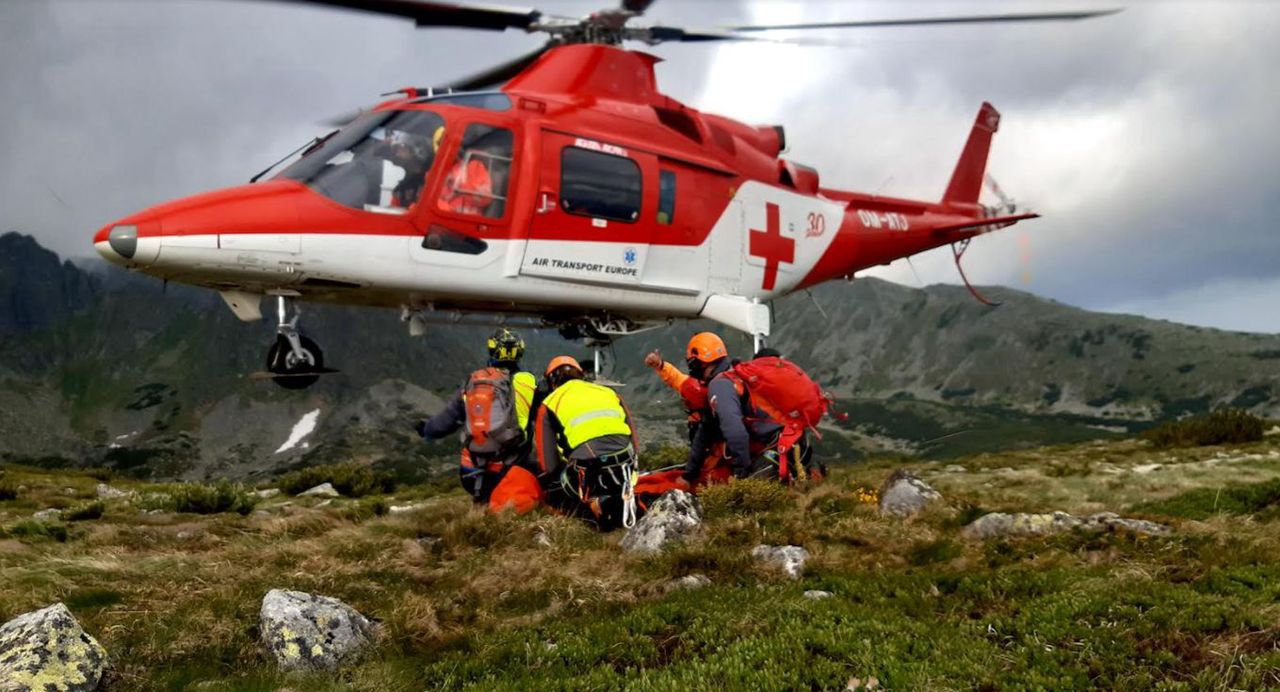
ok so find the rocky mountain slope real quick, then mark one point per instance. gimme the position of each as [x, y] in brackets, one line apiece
[117, 370]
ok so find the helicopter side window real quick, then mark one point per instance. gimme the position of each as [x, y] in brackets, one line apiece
[379, 163]
[666, 197]
[599, 185]
[478, 179]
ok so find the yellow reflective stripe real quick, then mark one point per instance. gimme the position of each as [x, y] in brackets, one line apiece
[587, 411]
[587, 417]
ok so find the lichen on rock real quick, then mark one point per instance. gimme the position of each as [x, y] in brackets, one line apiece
[673, 517]
[308, 632]
[47, 651]
[904, 494]
[998, 524]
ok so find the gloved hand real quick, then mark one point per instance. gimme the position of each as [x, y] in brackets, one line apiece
[420, 427]
[653, 360]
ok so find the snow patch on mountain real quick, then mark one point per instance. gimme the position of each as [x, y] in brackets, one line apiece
[305, 426]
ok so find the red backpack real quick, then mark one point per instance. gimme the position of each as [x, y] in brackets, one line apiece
[782, 390]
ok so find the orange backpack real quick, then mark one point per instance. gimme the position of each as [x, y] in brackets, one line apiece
[492, 429]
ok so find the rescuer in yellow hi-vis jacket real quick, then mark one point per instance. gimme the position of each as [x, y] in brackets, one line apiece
[585, 444]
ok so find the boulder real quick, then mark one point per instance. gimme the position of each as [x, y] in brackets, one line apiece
[46, 650]
[307, 632]
[790, 558]
[672, 518]
[689, 582]
[815, 595]
[904, 495]
[405, 509]
[266, 493]
[322, 490]
[106, 492]
[47, 515]
[998, 524]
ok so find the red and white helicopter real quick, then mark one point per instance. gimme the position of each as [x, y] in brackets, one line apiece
[577, 196]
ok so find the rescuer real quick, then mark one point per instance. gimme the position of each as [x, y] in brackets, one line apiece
[586, 447]
[755, 443]
[492, 410]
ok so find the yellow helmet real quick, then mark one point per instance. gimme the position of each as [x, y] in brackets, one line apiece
[505, 346]
[436, 137]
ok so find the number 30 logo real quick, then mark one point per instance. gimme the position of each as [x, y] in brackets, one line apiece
[817, 225]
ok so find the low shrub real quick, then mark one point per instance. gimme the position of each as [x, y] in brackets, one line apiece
[1202, 503]
[1224, 426]
[84, 512]
[742, 496]
[8, 490]
[352, 480]
[32, 530]
[664, 456]
[221, 497]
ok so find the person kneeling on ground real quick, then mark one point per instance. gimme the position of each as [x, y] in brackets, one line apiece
[755, 444]
[586, 446]
[492, 410]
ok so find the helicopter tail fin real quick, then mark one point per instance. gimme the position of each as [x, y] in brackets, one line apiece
[966, 181]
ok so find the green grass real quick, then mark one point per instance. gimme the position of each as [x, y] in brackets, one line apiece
[472, 601]
[1203, 503]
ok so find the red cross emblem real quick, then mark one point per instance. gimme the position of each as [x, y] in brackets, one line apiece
[772, 246]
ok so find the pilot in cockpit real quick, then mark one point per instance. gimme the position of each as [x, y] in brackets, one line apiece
[414, 153]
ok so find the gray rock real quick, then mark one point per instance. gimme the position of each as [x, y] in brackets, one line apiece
[106, 492]
[998, 524]
[673, 517]
[904, 495]
[542, 540]
[815, 595]
[790, 558]
[405, 509]
[68, 491]
[322, 490]
[689, 582]
[307, 632]
[266, 493]
[323, 503]
[47, 515]
[47, 650]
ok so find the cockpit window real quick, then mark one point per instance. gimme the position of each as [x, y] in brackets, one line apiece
[381, 162]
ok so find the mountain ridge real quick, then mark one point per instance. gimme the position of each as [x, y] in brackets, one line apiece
[122, 371]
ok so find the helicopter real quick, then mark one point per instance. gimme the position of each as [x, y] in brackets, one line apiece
[576, 196]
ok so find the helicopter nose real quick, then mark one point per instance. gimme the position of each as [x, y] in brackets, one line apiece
[122, 244]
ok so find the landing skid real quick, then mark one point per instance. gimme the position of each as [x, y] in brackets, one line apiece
[264, 375]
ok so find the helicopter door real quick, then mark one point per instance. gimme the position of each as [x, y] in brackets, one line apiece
[469, 208]
[590, 223]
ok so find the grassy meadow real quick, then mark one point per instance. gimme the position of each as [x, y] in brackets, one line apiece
[465, 600]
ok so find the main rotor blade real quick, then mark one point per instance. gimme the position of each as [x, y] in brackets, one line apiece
[924, 21]
[454, 14]
[500, 73]
[665, 34]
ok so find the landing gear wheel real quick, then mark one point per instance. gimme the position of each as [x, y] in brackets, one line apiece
[281, 360]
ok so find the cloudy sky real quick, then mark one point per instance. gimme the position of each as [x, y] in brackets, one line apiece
[1148, 139]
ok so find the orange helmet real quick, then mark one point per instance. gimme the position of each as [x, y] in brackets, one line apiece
[561, 361]
[706, 347]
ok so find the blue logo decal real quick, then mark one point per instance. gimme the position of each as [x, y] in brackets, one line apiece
[629, 255]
